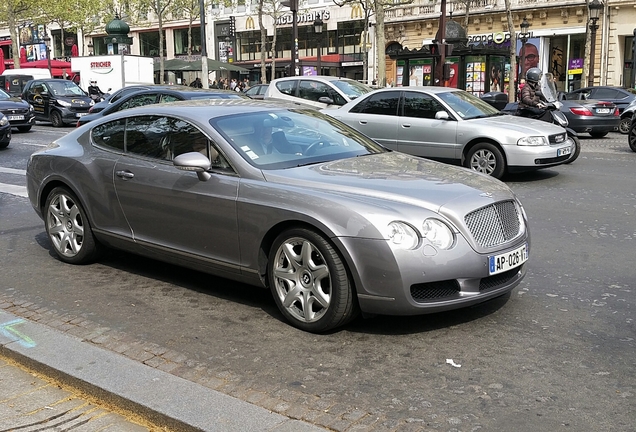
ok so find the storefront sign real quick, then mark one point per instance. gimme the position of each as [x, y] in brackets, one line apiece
[496, 38]
[575, 66]
[308, 17]
[353, 63]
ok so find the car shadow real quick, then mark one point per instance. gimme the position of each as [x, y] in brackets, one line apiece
[530, 176]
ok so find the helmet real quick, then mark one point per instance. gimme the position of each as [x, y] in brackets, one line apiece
[93, 81]
[533, 75]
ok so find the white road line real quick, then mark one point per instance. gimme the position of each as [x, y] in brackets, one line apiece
[20, 191]
[12, 171]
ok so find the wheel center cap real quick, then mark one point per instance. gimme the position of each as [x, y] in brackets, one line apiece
[69, 225]
[305, 278]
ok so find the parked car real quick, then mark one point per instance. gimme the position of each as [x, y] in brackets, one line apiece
[125, 91]
[18, 112]
[317, 91]
[453, 125]
[59, 101]
[14, 83]
[331, 222]
[619, 96]
[5, 131]
[159, 95]
[626, 118]
[257, 91]
[597, 118]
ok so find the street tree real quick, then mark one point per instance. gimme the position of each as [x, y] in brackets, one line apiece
[67, 14]
[367, 10]
[380, 41]
[275, 10]
[12, 12]
[190, 10]
[514, 79]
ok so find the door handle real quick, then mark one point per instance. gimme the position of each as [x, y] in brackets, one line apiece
[406, 125]
[124, 174]
[363, 122]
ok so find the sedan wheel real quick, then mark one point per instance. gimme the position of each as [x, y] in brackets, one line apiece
[486, 158]
[56, 119]
[632, 137]
[623, 127]
[68, 228]
[309, 281]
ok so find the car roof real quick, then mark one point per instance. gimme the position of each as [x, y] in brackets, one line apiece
[326, 78]
[428, 89]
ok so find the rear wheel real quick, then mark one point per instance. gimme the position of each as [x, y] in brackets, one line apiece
[631, 138]
[24, 128]
[486, 158]
[577, 150]
[310, 282]
[626, 122]
[68, 228]
[598, 134]
[56, 119]
[4, 145]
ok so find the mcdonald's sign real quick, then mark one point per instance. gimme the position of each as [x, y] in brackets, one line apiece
[356, 11]
[249, 23]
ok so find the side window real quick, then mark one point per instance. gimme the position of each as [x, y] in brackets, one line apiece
[384, 103]
[286, 87]
[420, 105]
[141, 100]
[168, 98]
[603, 93]
[123, 93]
[313, 90]
[144, 134]
[110, 135]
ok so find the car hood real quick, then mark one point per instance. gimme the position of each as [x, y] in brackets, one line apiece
[78, 101]
[14, 102]
[521, 125]
[400, 178]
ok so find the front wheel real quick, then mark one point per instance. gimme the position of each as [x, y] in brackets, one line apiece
[310, 282]
[68, 228]
[56, 119]
[624, 125]
[577, 150]
[486, 158]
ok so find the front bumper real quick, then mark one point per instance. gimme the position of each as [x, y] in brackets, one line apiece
[521, 158]
[5, 134]
[71, 115]
[586, 124]
[415, 282]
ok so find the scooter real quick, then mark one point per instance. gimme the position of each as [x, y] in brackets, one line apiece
[101, 96]
[551, 112]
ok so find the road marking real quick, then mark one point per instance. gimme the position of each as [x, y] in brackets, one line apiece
[20, 191]
[11, 332]
[12, 171]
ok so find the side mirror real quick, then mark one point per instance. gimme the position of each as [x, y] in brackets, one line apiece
[194, 161]
[325, 100]
[441, 115]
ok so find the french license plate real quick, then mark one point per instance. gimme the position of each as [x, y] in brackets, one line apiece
[509, 260]
[15, 117]
[564, 151]
[81, 114]
[602, 110]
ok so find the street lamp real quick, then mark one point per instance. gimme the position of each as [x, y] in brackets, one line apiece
[293, 7]
[46, 41]
[595, 7]
[318, 30]
[524, 36]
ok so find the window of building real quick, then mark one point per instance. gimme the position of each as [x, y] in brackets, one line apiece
[149, 44]
[182, 41]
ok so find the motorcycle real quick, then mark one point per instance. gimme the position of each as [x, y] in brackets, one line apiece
[100, 97]
[550, 112]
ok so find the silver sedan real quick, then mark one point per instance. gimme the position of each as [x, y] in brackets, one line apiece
[453, 125]
[282, 198]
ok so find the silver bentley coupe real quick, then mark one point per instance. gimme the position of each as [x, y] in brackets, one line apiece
[283, 198]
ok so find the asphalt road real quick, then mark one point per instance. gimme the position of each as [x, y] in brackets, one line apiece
[558, 354]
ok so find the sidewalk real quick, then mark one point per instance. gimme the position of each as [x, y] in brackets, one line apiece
[159, 397]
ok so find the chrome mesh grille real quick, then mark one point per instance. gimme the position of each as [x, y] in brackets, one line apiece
[494, 224]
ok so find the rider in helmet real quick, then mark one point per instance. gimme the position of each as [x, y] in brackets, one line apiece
[94, 91]
[531, 100]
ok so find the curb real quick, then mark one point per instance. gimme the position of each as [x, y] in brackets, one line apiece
[162, 398]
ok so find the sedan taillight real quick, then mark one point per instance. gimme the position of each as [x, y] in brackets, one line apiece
[582, 111]
[616, 113]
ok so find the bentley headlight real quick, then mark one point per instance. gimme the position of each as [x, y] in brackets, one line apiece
[403, 235]
[533, 141]
[4, 121]
[438, 233]
[64, 103]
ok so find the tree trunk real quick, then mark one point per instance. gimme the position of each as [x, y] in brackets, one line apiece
[15, 41]
[513, 79]
[263, 43]
[380, 42]
[160, 23]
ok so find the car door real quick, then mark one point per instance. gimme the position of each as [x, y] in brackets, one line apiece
[38, 96]
[420, 133]
[377, 117]
[169, 209]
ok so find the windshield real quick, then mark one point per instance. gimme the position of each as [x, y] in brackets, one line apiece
[280, 139]
[468, 106]
[548, 89]
[65, 88]
[352, 89]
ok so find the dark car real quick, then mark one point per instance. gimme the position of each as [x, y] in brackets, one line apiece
[18, 112]
[125, 91]
[257, 91]
[597, 118]
[159, 95]
[5, 131]
[59, 101]
[619, 96]
[626, 118]
[14, 84]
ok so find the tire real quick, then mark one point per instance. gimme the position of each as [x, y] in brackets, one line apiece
[577, 150]
[56, 119]
[486, 158]
[68, 228]
[598, 134]
[631, 138]
[4, 145]
[310, 282]
[623, 127]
